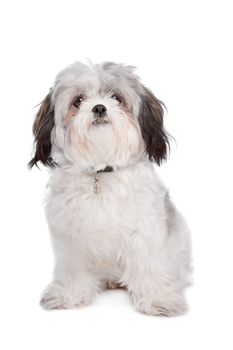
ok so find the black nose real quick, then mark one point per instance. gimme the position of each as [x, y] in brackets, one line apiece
[99, 110]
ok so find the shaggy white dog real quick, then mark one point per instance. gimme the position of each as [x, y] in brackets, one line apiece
[111, 219]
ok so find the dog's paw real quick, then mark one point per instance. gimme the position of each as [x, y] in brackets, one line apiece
[56, 296]
[170, 307]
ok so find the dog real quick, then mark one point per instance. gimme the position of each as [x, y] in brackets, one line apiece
[112, 222]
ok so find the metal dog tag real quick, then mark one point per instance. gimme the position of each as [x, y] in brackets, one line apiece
[96, 187]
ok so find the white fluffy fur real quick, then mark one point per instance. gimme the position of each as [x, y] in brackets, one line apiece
[129, 234]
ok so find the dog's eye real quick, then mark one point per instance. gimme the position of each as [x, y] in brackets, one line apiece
[77, 102]
[116, 97]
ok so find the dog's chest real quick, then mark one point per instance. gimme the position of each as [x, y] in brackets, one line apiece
[123, 203]
[105, 224]
[106, 202]
[78, 207]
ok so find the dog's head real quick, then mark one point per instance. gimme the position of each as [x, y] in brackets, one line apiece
[97, 115]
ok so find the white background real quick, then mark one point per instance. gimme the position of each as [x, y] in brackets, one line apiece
[183, 51]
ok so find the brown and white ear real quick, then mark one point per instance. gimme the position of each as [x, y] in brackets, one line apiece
[151, 123]
[42, 128]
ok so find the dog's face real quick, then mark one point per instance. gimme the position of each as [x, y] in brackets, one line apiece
[99, 115]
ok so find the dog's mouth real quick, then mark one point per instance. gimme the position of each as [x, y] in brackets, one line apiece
[100, 121]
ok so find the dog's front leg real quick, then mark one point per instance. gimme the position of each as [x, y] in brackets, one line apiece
[73, 284]
[153, 280]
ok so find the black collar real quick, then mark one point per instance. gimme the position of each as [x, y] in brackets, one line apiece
[107, 169]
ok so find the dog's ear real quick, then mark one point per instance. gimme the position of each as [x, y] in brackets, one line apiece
[42, 128]
[151, 123]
